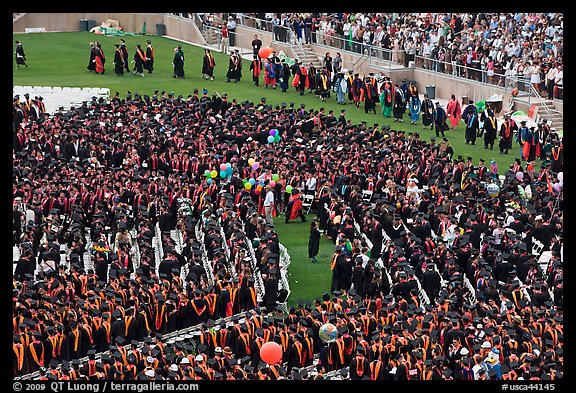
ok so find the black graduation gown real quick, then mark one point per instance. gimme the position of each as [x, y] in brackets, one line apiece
[313, 242]
[270, 294]
[101, 268]
[472, 125]
[178, 62]
[25, 265]
[199, 310]
[399, 104]
[118, 62]
[427, 112]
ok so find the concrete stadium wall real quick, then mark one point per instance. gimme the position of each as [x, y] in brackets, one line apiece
[176, 27]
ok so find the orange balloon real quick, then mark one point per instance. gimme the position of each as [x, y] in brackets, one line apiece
[265, 51]
[271, 352]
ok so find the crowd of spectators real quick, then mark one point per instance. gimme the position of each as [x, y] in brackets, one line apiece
[433, 277]
[488, 47]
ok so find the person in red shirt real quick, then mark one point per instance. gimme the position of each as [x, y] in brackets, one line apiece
[225, 41]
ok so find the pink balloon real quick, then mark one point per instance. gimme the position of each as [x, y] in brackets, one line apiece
[272, 183]
[557, 187]
[222, 167]
[271, 352]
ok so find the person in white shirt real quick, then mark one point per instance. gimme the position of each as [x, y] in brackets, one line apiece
[427, 53]
[558, 82]
[269, 204]
[346, 29]
[311, 185]
[550, 77]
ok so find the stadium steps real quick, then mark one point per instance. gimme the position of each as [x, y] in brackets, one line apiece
[305, 54]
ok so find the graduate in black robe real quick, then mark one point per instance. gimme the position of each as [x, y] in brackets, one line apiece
[489, 127]
[178, 62]
[399, 104]
[139, 61]
[232, 68]
[92, 60]
[428, 112]
[124, 50]
[314, 241]
[440, 120]
[118, 60]
[20, 55]
[507, 132]
[470, 116]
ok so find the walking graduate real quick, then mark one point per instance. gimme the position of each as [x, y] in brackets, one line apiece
[20, 55]
[340, 88]
[208, 65]
[256, 68]
[399, 103]
[427, 112]
[269, 74]
[470, 116]
[414, 103]
[454, 111]
[387, 98]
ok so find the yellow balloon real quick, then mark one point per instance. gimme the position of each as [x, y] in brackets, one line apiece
[247, 186]
[213, 174]
[251, 161]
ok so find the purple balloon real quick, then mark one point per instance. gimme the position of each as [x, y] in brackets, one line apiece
[519, 175]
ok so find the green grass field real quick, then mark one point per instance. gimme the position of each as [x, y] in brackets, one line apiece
[60, 59]
[308, 280]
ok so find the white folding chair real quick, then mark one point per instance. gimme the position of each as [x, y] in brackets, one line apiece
[367, 195]
[307, 201]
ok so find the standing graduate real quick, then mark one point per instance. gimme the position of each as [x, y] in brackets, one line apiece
[414, 103]
[340, 88]
[368, 95]
[100, 59]
[399, 103]
[488, 127]
[232, 67]
[20, 55]
[356, 89]
[269, 74]
[256, 68]
[301, 79]
[387, 98]
[470, 116]
[118, 60]
[323, 85]
[427, 112]
[454, 111]
[92, 61]
[149, 64]
[208, 65]
[284, 75]
[531, 148]
[440, 120]
[178, 62]
[124, 50]
[314, 240]
[507, 130]
[139, 61]
[312, 71]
